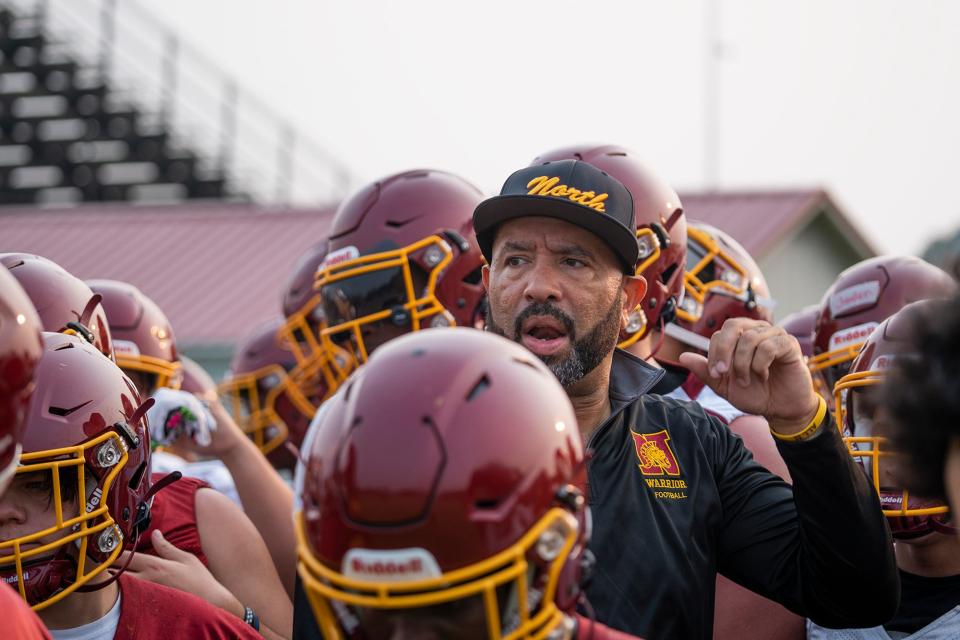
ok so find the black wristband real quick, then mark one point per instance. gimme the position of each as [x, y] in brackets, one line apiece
[250, 618]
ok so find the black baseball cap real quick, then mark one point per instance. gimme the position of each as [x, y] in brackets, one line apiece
[571, 190]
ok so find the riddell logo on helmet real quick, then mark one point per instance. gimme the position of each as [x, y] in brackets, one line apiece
[859, 296]
[378, 568]
[882, 363]
[852, 336]
[546, 186]
[891, 501]
[125, 348]
[399, 565]
[12, 579]
[339, 256]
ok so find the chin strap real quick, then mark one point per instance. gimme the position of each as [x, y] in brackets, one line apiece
[590, 615]
[43, 579]
[663, 335]
[942, 527]
[911, 527]
[141, 525]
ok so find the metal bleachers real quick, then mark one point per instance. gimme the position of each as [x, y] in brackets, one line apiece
[72, 131]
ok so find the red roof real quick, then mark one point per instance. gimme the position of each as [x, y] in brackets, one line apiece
[761, 219]
[217, 270]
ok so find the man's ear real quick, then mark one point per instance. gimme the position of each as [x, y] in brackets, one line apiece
[485, 277]
[634, 288]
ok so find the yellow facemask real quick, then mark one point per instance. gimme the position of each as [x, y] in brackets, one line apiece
[383, 287]
[256, 412]
[716, 269]
[93, 525]
[869, 450]
[649, 254]
[552, 539]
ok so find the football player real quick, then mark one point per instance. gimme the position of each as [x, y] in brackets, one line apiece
[401, 257]
[921, 398]
[927, 547]
[192, 517]
[80, 497]
[317, 368]
[437, 506]
[267, 402]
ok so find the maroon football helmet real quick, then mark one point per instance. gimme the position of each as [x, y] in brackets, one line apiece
[316, 373]
[862, 297]
[142, 335]
[865, 428]
[85, 428]
[442, 489]
[64, 302]
[267, 404]
[299, 296]
[722, 281]
[801, 324]
[402, 257]
[661, 231]
[20, 350]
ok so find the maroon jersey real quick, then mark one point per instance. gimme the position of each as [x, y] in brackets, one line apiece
[150, 611]
[174, 513]
[18, 620]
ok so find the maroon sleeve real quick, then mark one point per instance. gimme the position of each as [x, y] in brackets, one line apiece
[19, 621]
[588, 629]
[150, 611]
[174, 513]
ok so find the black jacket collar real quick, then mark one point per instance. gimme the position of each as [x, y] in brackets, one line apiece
[630, 378]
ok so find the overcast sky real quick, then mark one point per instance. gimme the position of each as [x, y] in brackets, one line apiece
[860, 97]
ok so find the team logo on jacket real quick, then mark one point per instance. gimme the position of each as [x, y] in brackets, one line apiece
[659, 465]
[656, 456]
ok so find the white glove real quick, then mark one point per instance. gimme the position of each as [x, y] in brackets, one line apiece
[176, 413]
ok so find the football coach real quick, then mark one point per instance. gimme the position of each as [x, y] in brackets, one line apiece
[674, 494]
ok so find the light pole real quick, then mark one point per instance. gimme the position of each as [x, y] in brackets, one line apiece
[713, 50]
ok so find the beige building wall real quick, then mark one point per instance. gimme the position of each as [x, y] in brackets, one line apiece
[803, 265]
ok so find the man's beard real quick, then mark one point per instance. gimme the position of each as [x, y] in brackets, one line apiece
[585, 353]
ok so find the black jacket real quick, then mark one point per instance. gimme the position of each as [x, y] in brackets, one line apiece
[676, 497]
